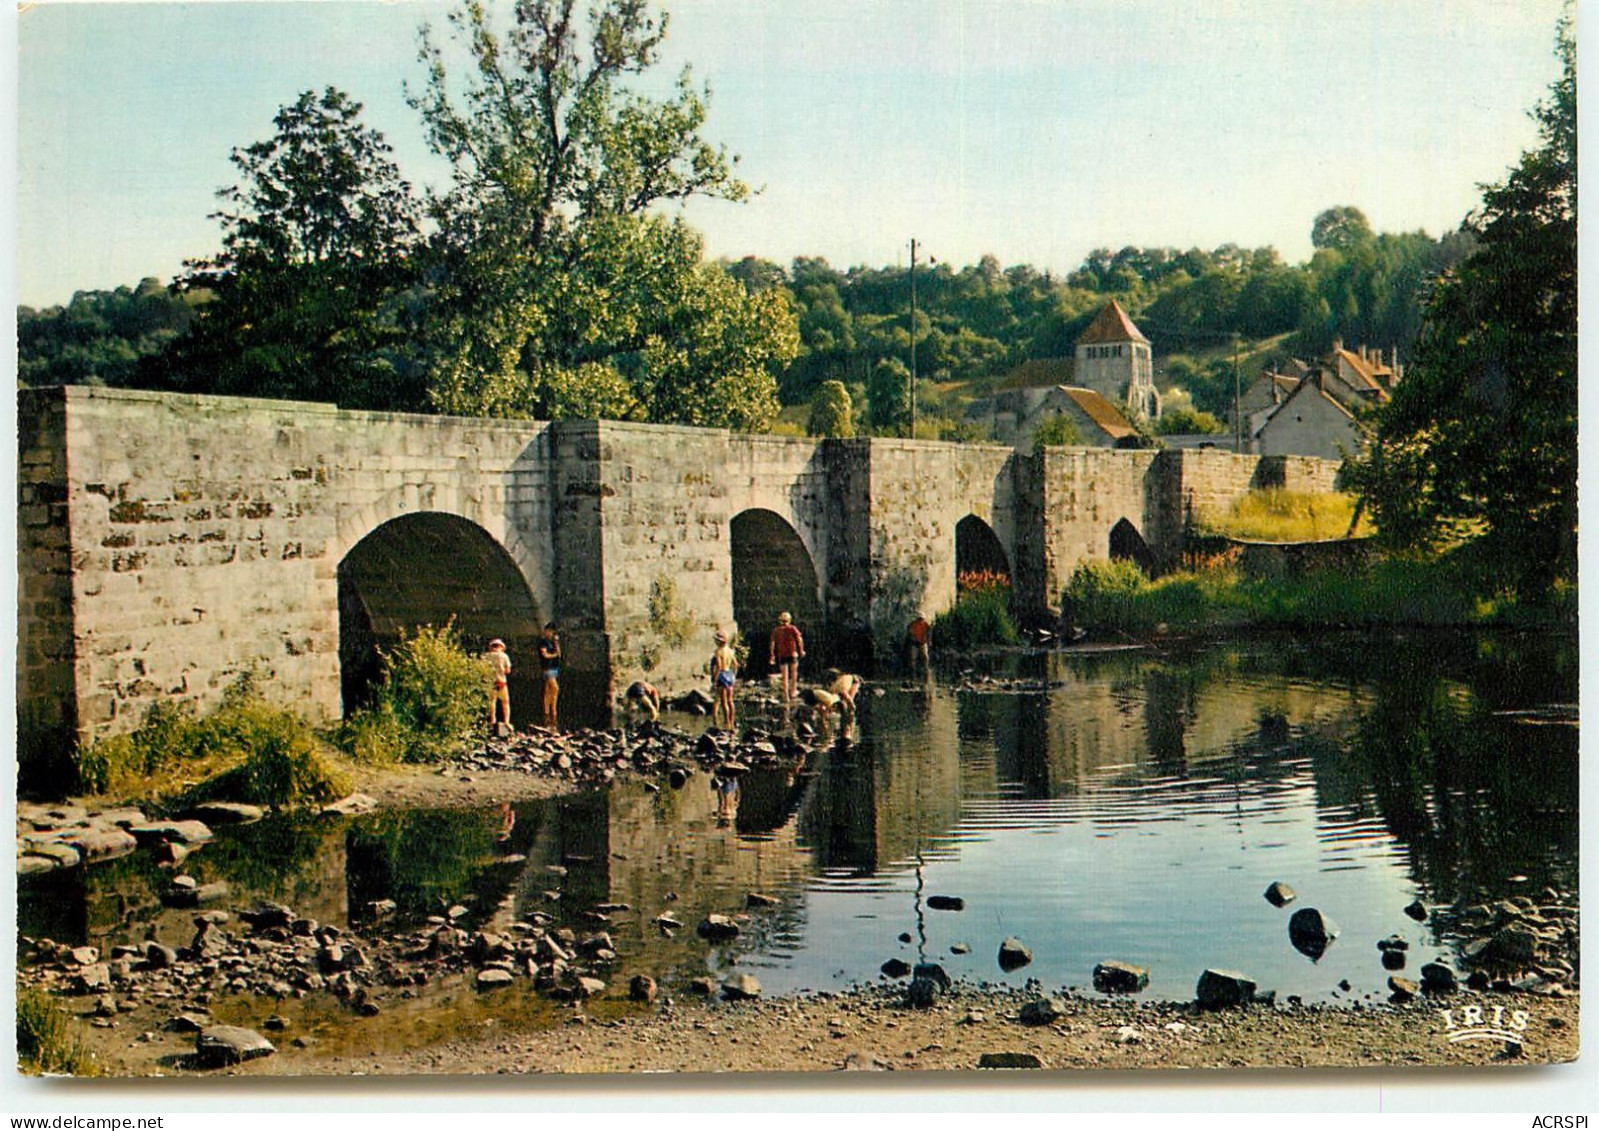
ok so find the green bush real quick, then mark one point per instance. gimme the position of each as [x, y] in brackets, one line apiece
[981, 618]
[433, 698]
[1107, 595]
[282, 760]
[45, 1041]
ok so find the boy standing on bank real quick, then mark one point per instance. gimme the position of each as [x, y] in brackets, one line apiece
[500, 665]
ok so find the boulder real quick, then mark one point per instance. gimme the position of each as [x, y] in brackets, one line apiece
[267, 915]
[717, 928]
[84, 955]
[1042, 1011]
[188, 1023]
[1280, 894]
[1417, 910]
[159, 957]
[1436, 978]
[934, 972]
[223, 1045]
[1393, 942]
[1013, 955]
[1120, 977]
[703, 987]
[946, 903]
[1393, 960]
[1219, 989]
[1009, 1060]
[92, 979]
[896, 968]
[642, 988]
[1311, 932]
[1512, 946]
[183, 832]
[741, 987]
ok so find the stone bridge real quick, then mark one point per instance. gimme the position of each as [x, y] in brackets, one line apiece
[167, 544]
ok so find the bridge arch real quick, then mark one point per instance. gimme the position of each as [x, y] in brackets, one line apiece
[978, 549]
[772, 573]
[1127, 544]
[431, 568]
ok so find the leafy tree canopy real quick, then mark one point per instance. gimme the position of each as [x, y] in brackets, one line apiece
[1481, 436]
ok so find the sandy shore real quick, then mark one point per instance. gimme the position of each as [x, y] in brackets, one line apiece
[870, 1029]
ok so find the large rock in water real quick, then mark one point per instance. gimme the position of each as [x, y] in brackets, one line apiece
[224, 812]
[1311, 932]
[1436, 978]
[741, 987]
[222, 1045]
[1120, 978]
[1013, 955]
[1219, 989]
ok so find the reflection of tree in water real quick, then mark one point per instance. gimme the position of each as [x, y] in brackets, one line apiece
[1474, 798]
[424, 860]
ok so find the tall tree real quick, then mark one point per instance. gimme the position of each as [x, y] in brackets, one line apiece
[1482, 432]
[304, 299]
[555, 286]
[1340, 227]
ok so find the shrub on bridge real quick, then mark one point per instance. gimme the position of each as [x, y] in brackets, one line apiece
[433, 697]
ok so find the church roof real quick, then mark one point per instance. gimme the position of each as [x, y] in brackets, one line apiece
[1112, 325]
[1100, 411]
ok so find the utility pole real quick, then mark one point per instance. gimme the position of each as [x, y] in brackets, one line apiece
[913, 339]
[1238, 420]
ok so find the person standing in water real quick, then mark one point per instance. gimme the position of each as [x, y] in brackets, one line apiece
[724, 677]
[786, 652]
[550, 664]
[500, 666]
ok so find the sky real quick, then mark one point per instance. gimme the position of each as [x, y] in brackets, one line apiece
[1033, 130]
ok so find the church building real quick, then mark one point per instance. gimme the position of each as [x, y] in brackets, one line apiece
[1114, 360]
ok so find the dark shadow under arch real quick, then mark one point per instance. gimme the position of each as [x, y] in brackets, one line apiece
[1127, 545]
[978, 549]
[427, 569]
[773, 573]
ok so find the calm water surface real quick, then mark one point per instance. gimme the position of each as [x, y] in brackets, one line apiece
[1136, 810]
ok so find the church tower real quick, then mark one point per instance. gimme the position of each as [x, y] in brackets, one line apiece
[1114, 359]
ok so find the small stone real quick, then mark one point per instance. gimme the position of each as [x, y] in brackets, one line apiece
[759, 899]
[1009, 1060]
[1129, 1035]
[1042, 1011]
[960, 948]
[277, 1023]
[1280, 894]
[1403, 989]
[1311, 932]
[1393, 942]
[717, 928]
[946, 903]
[862, 1062]
[741, 987]
[905, 936]
[1218, 989]
[225, 813]
[935, 972]
[921, 993]
[1436, 978]
[84, 955]
[1120, 977]
[1013, 955]
[492, 978]
[1417, 910]
[704, 987]
[187, 1023]
[223, 1045]
[896, 968]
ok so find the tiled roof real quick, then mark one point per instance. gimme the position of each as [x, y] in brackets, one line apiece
[1361, 367]
[1100, 411]
[1112, 325]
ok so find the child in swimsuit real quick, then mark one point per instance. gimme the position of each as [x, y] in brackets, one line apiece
[724, 677]
[500, 665]
[550, 662]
